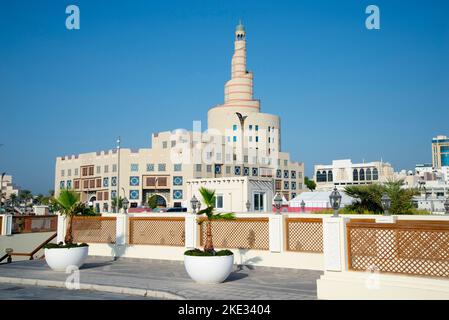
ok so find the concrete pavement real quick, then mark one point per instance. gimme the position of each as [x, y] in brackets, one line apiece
[169, 280]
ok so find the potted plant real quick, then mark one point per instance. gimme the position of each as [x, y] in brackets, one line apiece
[208, 265]
[60, 256]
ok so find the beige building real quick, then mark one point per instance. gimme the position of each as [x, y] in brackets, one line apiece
[440, 152]
[7, 187]
[240, 141]
[342, 173]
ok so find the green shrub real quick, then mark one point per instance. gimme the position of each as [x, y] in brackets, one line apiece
[61, 245]
[201, 253]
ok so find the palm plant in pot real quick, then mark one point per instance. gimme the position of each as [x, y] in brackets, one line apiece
[208, 265]
[60, 256]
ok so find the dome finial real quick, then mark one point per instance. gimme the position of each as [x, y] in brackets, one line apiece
[240, 26]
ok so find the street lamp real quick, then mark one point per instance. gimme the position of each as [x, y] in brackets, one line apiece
[335, 201]
[248, 206]
[446, 205]
[278, 202]
[125, 204]
[303, 206]
[386, 203]
[194, 203]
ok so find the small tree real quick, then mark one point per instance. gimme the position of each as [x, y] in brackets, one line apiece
[310, 184]
[208, 197]
[117, 203]
[69, 205]
[152, 202]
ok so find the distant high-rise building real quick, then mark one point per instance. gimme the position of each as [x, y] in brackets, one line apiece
[440, 152]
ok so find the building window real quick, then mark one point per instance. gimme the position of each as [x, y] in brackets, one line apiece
[198, 168]
[286, 185]
[321, 176]
[330, 176]
[106, 169]
[375, 174]
[150, 167]
[255, 172]
[257, 128]
[98, 183]
[77, 184]
[237, 170]
[258, 201]
[279, 173]
[246, 171]
[134, 181]
[293, 174]
[368, 174]
[134, 194]
[209, 168]
[286, 174]
[114, 181]
[355, 175]
[113, 194]
[177, 167]
[293, 195]
[234, 139]
[114, 168]
[164, 145]
[300, 175]
[250, 139]
[218, 156]
[62, 173]
[219, 201]
[69, 184]
[362, 175]
[228, 169]
[105, 182]
[300, 186]
[173, 143]
[98, 169]
[293, 185]
[177, 194]
[161, 167]
[217, 169]
[250, 127]
[177, 181]
[285, 163]
[257, 139]
[76, 172]
[69, 172]
[134, 167]
[234, 127]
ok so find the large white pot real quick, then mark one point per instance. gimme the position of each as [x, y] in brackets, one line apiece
[208, 269]
[60, 258]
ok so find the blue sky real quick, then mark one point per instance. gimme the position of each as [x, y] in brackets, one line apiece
[137, 67]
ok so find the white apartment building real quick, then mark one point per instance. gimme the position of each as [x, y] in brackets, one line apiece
[240, 141]
[7, 187]
[342, 173]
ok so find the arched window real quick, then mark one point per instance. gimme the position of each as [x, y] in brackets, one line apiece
[330, 176]
[321, 176]
[368, 174]
[375, 174]
[362, 175]
[355, 175]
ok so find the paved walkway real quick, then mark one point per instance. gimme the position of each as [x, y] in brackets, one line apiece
[169, 277]
[24, 292]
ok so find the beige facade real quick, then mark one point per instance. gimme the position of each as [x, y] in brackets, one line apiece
[239, 141]
[440, 152]
[342, 173]
[7, 187]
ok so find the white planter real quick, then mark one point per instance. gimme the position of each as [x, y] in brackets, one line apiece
[210, 270]
[60, 258]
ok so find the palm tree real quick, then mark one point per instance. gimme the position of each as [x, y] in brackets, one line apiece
[116, 203]
[208, 197]
[69, 205]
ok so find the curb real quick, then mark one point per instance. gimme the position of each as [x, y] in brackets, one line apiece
[95, 287]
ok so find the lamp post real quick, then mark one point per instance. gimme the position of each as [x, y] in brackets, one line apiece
[118, 172]
[278, 202]
[125, 204]
[446, 205]
[303, 206]
[248, 206]
[386, 203]
[1, 190]
[194, 203]
[335, 201]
